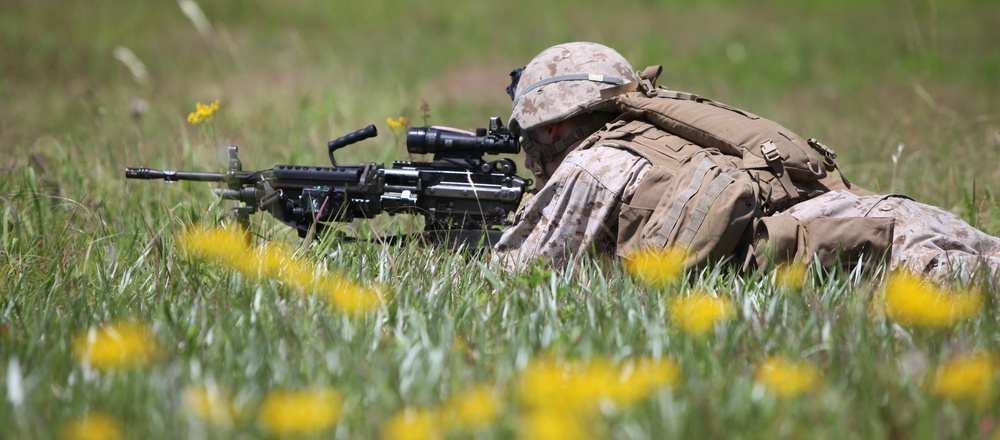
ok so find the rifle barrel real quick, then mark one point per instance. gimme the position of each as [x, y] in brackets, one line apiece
[172, 176]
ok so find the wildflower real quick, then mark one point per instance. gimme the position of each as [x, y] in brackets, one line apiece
[911, 301]
[474, 408]
[211, 404]
[300, 412]
[230, 247]
[396, 124]
[699, 312]
[413, 425]
[350, 297]
[966, 379]
[560, 396]
[565, 387]
[548, 425]
[579, 387]
[203, 112]
[225, 245]
[791, 276]
[786, 379]
[119, 345]
[93, 426]
[657, 267]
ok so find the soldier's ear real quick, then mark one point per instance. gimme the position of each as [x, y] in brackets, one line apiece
[550, 130]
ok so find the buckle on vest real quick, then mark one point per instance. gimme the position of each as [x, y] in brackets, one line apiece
[770, 151]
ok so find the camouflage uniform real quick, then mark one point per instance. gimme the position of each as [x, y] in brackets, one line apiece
[926, 239]
[581, 206]
[576, 211]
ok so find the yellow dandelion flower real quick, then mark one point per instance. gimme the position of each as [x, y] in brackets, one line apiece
[657, 267]
[93, 426]
[413, 425]
[559, 396]
[564, 386]
[203, 112]
[471, 409]
[787, 379]
[211, 404]
[300, 412]
[350, 297]
[967, 379]
[396, 124]
[230, 247]
[912, 301]
[278, 261]
[579, 387]
[698, 312]
[791, 276]
[227, 245]
[119, 345]
[549, 425]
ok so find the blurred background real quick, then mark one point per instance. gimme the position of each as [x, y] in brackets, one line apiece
[905, 90]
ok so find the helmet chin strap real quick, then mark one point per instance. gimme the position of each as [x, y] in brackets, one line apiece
[542, 153]
[545, 152]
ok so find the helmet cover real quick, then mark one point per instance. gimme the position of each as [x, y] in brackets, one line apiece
[566, 80]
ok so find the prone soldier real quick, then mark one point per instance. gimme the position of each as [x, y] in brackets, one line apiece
[623, 165]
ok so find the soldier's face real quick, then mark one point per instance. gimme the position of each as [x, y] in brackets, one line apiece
[549, 135]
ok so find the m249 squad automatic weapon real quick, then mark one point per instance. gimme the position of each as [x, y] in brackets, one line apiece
[458, 192]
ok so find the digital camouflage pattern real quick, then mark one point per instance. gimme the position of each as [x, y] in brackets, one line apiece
[578, 211]
[926, 239]
[575, 211]
[538, 103]
[578, 208]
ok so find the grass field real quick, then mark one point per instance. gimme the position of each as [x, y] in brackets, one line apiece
[906, 92]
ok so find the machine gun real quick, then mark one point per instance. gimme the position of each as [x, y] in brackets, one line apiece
[460, 195]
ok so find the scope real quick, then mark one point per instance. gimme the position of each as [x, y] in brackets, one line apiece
[445, 140]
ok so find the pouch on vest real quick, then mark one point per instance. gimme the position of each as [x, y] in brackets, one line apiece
[846, 241]
[707, 210]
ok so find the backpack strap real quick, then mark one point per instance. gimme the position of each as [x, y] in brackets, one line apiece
[704, 204]
[674, 94]
[677, 206]
[646, 83]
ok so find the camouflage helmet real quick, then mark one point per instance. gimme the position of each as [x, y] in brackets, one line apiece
[564, 81]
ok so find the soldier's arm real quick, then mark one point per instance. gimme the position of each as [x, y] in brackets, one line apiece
[577, 206]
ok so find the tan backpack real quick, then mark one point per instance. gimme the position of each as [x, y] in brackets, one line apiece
[719, 173]
[786, 167]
